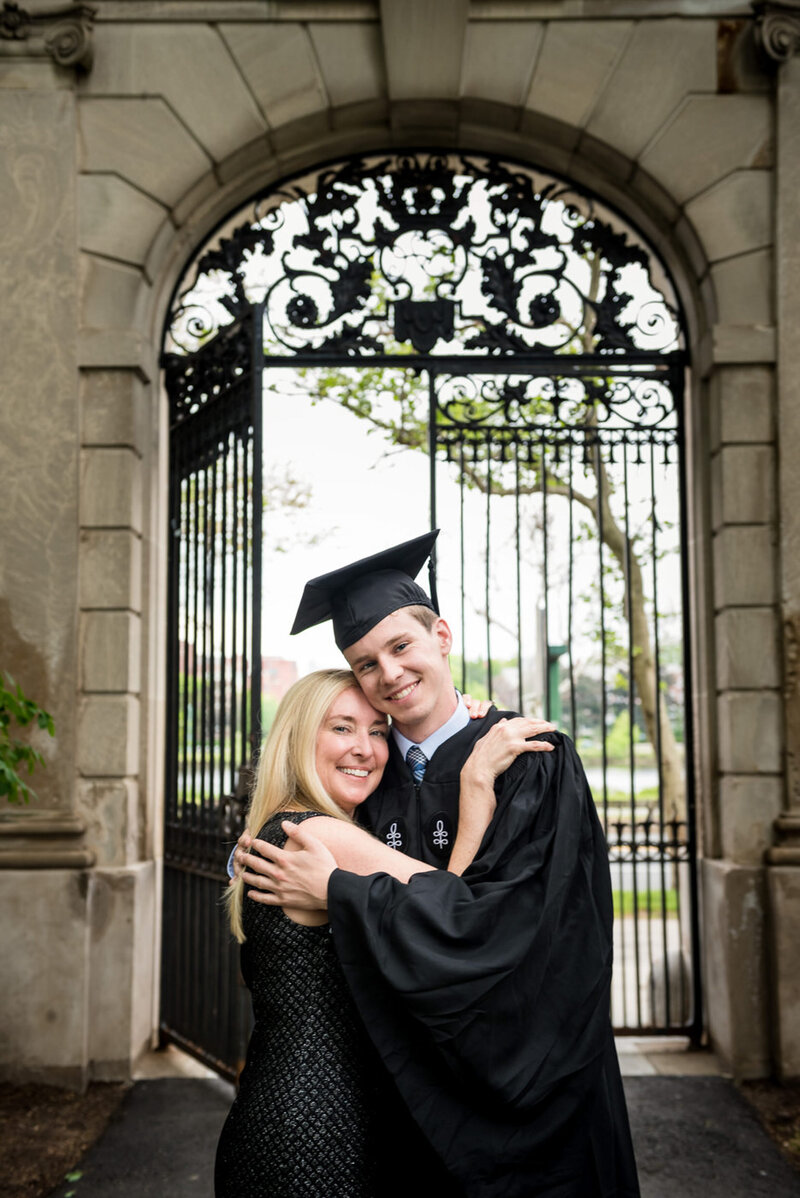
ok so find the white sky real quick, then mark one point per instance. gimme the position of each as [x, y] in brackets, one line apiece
[366, 496]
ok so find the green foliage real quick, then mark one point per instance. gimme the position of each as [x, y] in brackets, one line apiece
[475, 681]
[621, 798]
[619, 737]
[16, 755]
[269, 706]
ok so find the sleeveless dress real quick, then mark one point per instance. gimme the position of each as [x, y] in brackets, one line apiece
[304, 1122]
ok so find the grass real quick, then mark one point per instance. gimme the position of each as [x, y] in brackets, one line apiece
[621, 798]
[648, 901]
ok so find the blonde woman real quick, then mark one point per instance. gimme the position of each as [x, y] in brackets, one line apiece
[313, 1100]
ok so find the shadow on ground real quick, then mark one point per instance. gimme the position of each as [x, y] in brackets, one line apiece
[695, 1137]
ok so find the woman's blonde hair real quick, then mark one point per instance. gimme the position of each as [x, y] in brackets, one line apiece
[287, 768]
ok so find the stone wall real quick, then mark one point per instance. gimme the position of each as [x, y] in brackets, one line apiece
[113, 172]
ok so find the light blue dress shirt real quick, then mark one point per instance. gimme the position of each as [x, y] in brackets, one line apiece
[458, 720]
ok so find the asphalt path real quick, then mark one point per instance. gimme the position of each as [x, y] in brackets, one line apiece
[695, 1137]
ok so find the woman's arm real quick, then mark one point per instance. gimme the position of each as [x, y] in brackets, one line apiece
[356, 850]
[490, 757]
[300, 881]
[477, 708]
[296, 876]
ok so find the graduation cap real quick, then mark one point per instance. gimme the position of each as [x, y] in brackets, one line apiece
[359, 596]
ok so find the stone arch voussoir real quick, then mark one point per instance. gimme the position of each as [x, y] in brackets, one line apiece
[473, 125]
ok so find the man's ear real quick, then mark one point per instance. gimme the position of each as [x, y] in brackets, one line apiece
[443, 635]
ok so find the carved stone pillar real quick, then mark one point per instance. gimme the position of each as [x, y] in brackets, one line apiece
[45, 863]
[778, 32]
[64, 34]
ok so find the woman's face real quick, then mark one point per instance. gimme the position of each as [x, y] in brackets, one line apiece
[352, 749]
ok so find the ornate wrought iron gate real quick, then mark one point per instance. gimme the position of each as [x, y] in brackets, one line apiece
[550, 361]
[591, 436]
[214, 678]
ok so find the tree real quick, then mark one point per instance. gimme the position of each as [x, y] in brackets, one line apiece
[17, 754]
[394, 401]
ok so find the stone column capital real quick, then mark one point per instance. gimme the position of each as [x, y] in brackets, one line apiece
[64, 34]
[43, 840]
[778, 27]
[787, 832]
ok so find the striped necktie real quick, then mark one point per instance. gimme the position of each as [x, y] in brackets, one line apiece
[417, 762]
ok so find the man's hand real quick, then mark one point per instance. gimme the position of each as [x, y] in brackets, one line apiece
[295, 876]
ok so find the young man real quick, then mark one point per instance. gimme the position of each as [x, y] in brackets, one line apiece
[487, 996]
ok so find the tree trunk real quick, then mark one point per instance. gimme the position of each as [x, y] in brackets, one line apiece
[654, 709]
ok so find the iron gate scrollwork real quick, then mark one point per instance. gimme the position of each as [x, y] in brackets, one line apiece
[419, 253]
[547, 342]
[214, 679]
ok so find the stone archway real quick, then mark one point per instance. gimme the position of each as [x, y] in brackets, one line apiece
[139, 166]
[552, 333]
[674, 237]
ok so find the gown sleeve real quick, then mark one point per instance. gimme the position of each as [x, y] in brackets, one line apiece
[488, 995]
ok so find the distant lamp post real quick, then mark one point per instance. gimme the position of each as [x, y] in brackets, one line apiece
[552, 689]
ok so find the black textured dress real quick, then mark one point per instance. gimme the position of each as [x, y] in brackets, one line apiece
[304, 1123]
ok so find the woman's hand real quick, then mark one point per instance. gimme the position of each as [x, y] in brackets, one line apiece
[490, 756]
[477, 708]
[501, 745]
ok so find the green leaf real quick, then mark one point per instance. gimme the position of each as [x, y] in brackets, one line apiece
[15, 754]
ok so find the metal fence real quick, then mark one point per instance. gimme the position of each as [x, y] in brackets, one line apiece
[214, 680]
[548, 348]
[570, 552]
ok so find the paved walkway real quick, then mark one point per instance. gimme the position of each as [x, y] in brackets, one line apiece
[695, 1136]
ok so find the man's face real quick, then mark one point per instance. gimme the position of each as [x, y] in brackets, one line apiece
[402, 668]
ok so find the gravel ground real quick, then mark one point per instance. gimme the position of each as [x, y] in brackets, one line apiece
[45, 1131]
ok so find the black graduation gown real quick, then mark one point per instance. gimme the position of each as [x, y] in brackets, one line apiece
[487, 996]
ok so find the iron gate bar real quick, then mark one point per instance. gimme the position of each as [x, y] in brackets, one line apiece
[570, 567]
[461, 487]
[631, 764]
[654, 526]
[235, 612]
[629, 364]
[257, 518]
[603, 663]
[486, 593]
[548, 702]
[215, 502]
[696, 1029]
[432, 488]
[518, 548]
